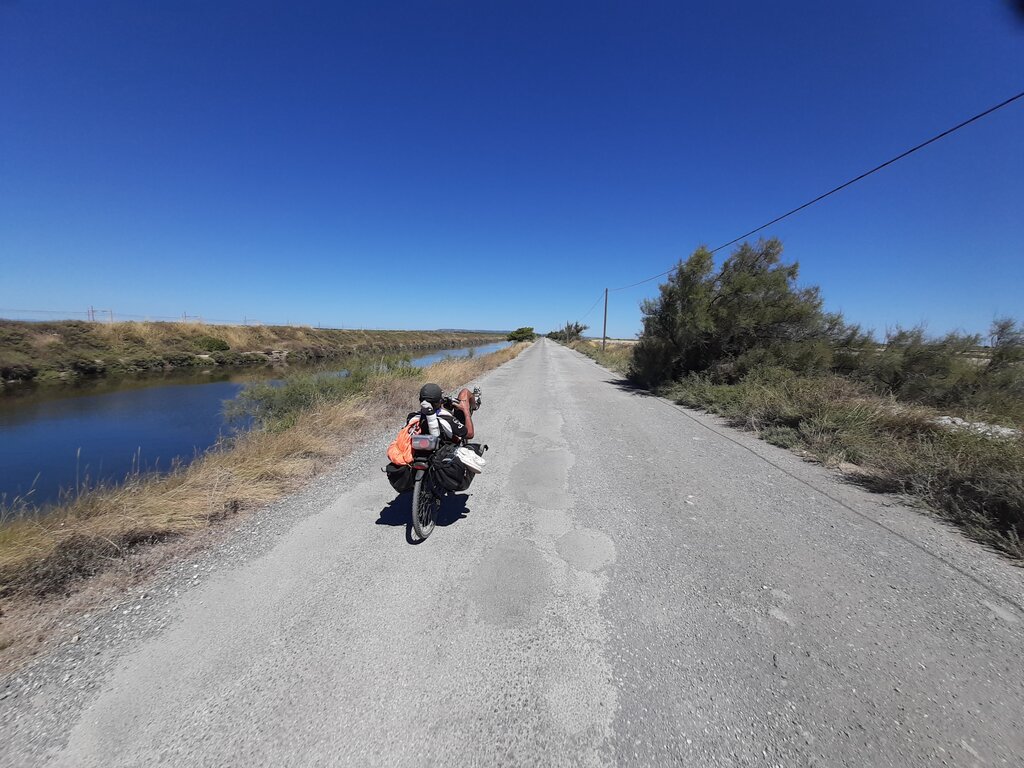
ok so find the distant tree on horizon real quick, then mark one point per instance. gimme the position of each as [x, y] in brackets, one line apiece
[525, 333]
[569, 333]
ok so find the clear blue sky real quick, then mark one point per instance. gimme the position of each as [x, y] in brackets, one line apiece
[324, 162]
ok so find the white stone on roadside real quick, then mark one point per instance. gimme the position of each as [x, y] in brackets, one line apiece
[989, 430]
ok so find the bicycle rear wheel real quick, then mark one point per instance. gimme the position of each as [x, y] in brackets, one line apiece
[424, 505]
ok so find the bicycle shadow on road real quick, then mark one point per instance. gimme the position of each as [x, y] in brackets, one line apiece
[398, 512]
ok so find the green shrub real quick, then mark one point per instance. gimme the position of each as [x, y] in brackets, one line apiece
[1007, 345]
[181, 360]
[14, 338]
[12, 371]
[569, 333]
[952, 372]
[913, 367]
[276, 405]
[81, 366]
[522, 334]
[748, 315]
[18, 372]
[141, 363]
[211, 344]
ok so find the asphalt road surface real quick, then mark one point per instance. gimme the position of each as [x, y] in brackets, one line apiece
[628, 583]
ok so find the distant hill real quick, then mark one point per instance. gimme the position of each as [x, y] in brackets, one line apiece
[470, 330]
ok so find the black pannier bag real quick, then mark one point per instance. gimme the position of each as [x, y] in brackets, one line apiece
[447, 470]
[401, 476]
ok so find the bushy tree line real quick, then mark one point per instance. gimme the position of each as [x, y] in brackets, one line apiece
[568, 333]
[522, 334]
[747, 314]
[750, 314]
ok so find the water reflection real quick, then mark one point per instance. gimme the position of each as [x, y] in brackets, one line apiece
[434, 357]
[46, 445]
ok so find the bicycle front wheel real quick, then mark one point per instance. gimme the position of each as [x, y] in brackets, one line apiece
[423, 506]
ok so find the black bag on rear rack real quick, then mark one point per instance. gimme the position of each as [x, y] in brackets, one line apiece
[447, 470]
[401, 476]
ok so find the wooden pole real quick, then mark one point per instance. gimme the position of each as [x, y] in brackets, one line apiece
[604, 330]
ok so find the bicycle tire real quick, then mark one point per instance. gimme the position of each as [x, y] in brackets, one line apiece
[423, 506]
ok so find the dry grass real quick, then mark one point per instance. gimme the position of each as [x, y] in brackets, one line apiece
[616, 355]
[79, 539]
[968, 478]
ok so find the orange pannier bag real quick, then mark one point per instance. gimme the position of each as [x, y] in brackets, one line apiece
[400, 450]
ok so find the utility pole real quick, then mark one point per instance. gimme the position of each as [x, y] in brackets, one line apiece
[604, 330]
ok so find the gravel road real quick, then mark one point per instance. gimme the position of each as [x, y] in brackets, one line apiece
[628, 583]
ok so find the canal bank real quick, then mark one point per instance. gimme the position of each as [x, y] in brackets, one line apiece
[71, 350]
[56, 442]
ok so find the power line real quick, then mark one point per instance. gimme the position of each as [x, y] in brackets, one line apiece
[601, 296]
[854, 180]
[92, 315]
[42, 311]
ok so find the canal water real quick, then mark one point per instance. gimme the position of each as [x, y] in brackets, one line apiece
[56, 440]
